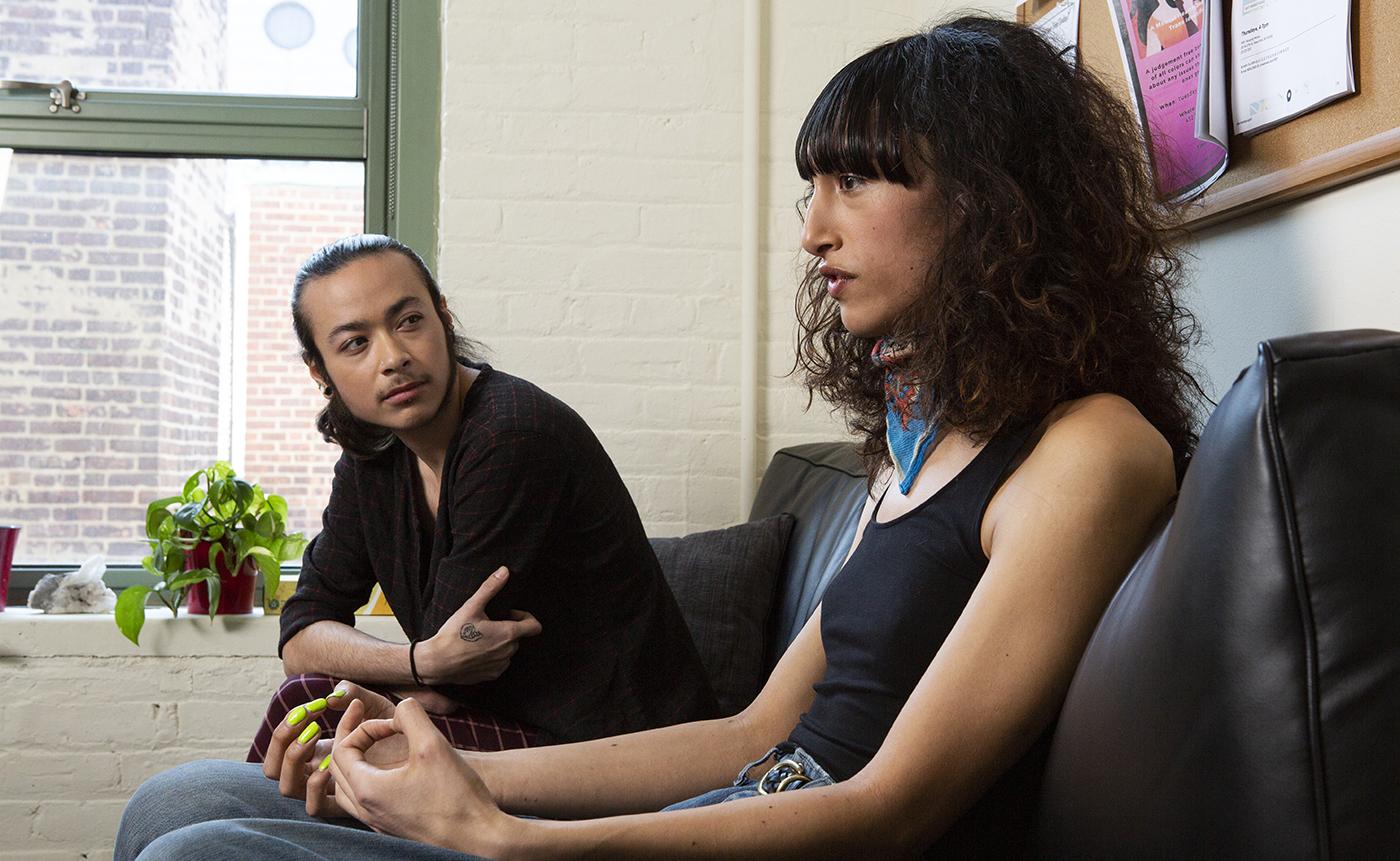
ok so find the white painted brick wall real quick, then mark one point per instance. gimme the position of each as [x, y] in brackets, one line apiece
[591, 179]
[86, 716]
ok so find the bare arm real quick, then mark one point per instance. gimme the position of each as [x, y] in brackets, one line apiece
[344, 652]
[621, 774]
[1065, 529]
[600, 778]
[470, 647]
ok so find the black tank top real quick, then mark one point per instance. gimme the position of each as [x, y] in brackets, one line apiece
[889, 609]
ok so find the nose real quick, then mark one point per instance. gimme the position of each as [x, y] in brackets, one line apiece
[819, 236]
[393, 357]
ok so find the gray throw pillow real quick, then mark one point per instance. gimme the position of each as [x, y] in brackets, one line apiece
[725, 582]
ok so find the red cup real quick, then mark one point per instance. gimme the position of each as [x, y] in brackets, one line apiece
[9, 537]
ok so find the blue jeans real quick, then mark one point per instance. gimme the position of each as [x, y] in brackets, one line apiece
[214, 810]
[793, 769]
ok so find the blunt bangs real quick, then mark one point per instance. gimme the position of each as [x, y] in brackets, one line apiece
[862, 123]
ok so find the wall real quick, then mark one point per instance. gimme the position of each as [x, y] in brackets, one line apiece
[590, 219]
[87, 716]
[591, 187]
[1323, 263]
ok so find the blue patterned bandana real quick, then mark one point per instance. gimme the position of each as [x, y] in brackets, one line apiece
[908, 436]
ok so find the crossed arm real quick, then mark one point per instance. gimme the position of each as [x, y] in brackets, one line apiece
[1065, 529]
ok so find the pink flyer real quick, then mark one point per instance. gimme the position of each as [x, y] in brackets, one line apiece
[1161, 42]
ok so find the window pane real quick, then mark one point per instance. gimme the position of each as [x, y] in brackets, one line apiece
[255, 47]
[145, 332]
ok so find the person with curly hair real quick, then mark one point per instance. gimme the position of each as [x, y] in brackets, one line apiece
[991, 298]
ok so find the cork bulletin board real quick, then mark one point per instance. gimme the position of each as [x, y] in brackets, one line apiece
[1356, 136]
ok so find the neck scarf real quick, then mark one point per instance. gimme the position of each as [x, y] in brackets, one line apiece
[909, 437]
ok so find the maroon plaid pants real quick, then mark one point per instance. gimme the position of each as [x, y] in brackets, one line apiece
[466, 729]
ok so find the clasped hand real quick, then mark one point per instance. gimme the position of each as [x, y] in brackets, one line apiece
[471, 648]
[431, 794]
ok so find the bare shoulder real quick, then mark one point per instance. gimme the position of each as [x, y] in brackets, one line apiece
[1095, 453]
[1106, 435]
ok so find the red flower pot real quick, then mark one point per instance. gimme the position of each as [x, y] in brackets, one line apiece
[235, 591]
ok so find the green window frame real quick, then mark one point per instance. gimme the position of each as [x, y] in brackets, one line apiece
[391, 125]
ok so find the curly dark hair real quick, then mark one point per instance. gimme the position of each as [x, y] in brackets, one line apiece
[359, 439]
[1060, 273]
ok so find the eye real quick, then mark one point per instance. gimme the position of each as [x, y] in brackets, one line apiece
[849, 181]
[351, 344]
[411, 320]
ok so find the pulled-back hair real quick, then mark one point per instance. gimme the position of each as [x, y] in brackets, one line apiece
[336, 423]
[1059, 271]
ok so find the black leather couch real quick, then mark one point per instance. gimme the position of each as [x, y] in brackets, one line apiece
[1241, 695]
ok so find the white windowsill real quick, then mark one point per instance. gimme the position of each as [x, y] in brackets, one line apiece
[30, 633]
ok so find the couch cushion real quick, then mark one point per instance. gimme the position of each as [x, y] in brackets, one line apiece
[823, 486]
[724, 583]
[1241, 695]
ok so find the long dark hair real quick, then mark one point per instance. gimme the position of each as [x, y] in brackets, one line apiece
[336, 423]
[1060, 273]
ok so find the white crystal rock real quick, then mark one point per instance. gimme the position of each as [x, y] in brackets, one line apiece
[81, 591]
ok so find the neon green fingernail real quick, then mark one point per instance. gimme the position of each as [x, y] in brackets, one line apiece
[325, 763]
[309, 733]
[316, 705]
[296, 715]
[340, 693]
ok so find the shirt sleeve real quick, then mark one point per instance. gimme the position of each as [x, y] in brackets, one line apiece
[336, 575]
[507, 496]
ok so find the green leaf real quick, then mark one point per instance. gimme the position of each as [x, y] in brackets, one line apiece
[266, 528]
[172, 562]
[185, 579]
[278, 506]
[149, 563]
[259, 550]
[293, 546]
[131, 611]
[185, 515]
[191, 484]
[246, 495]
[215, 531]
[271, 570]
[214, 586]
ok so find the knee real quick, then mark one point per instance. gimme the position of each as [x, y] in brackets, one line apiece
[160, 803]
[301, 687]
[189, 793]
[207, 841]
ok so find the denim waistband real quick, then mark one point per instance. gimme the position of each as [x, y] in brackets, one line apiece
[792, 768]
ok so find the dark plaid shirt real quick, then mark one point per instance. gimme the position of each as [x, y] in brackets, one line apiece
[525, 484]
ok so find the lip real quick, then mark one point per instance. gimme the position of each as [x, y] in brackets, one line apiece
[403, 394]
[836, 280]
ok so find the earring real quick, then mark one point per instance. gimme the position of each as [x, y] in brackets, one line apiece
[328, 392]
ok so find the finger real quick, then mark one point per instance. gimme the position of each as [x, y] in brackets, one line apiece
[376, 704]
[353, 746]
[292, 782]
[283, 734]
[525, 625]
[423, 735]
[320, 793]
[475, 606]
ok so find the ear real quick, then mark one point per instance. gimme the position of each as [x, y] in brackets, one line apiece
[316, 376]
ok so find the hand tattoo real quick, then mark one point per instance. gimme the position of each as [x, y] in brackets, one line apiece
[470, 633]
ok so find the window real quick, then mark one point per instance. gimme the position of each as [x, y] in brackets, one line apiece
[148, 239]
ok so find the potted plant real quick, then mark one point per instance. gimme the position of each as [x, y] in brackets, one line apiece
[211, 542]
